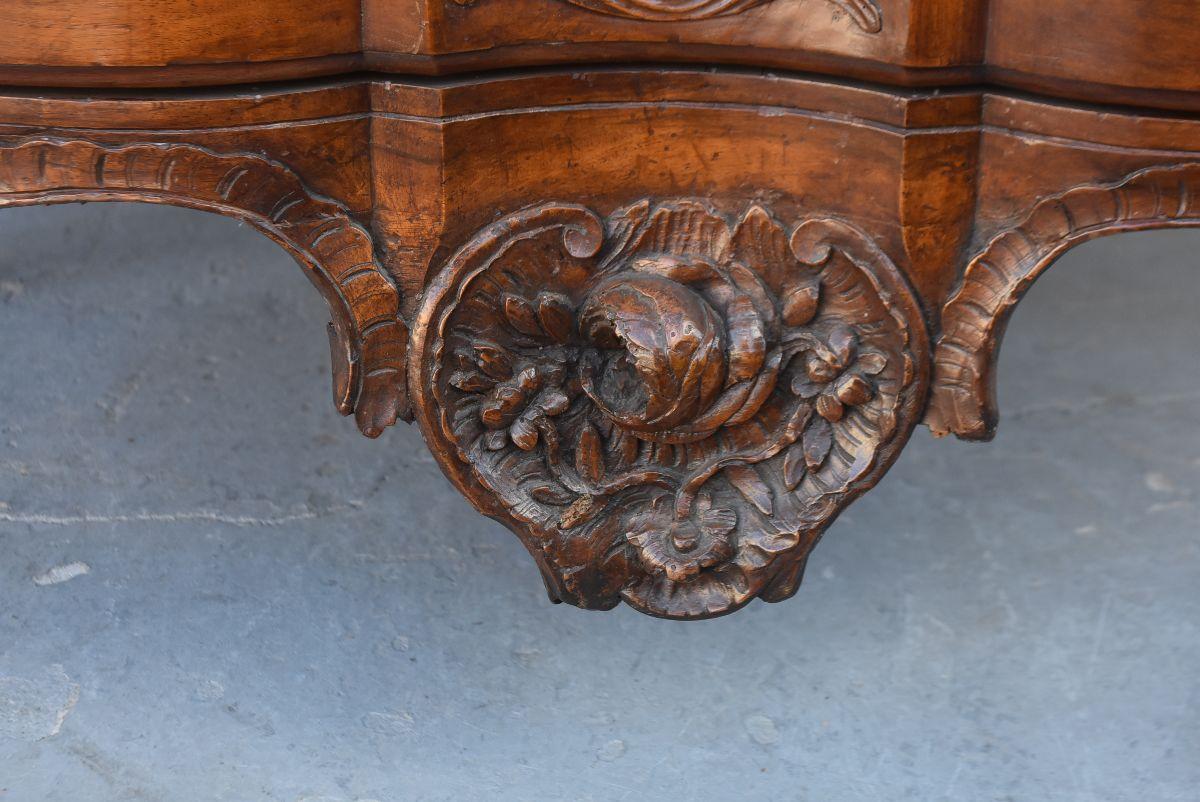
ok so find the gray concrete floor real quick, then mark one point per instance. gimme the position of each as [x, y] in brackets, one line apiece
[275, 608]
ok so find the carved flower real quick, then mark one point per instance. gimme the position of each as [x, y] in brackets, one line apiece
[665, 360]
[837, 374]
[689, 397]
[522, 384]
[689, 340]
[517, 398]
[682, 548]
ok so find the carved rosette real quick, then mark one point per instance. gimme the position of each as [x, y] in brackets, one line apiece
[668, 406]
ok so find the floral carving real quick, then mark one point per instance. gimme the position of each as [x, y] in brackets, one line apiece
[668, 406]
[679, 547]
[864, 13]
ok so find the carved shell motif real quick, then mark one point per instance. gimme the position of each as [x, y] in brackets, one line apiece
[667, 407]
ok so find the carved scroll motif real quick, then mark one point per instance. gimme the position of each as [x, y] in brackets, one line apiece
[367, 337]
[668, 406]
[864, 13]
[963, 400]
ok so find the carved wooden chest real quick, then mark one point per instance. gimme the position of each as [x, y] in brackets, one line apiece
[664, 322]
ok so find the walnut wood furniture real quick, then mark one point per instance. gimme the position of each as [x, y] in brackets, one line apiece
[664, 322]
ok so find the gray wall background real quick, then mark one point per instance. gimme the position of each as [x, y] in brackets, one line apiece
[276, 608]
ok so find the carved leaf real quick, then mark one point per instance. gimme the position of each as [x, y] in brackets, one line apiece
[554, 313]
[524, 433]
[761, 243]
[551, 494]
[801, 301]
[589, 455]
[493, 360]
[527, 379]
[471, 381]
[871, 363]
[686, 227]
[581, 511]
[554, 401]
[829, 408]
[843, 342]
[464, 359]
[520, 315]
[623, 446]
[854, 390]
[794, 466]
[805, 387]
[492, 415]
[865, 14]
[818, 440]
[716, 521]
[747, 342]
[752, 488]
[684, 271]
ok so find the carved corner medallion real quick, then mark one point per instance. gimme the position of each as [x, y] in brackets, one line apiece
[864, 13]
[671, 404]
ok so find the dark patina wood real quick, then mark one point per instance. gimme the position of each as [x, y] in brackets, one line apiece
[663, 323]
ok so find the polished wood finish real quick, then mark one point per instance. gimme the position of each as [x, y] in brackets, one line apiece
[1122, 45]
[1102, 51]
[178, 42]
[664, 323]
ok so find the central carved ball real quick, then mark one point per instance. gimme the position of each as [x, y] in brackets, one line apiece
[665, 351]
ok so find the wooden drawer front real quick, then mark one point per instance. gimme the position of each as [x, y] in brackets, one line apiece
[1148, 44]
[792, 33]
[1111, 51]
[174, 33]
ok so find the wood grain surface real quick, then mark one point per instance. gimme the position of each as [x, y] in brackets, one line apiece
[1107, 51]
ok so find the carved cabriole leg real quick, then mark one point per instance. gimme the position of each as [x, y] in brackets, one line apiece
[367, 337]
[671, 403]
[963, 398]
